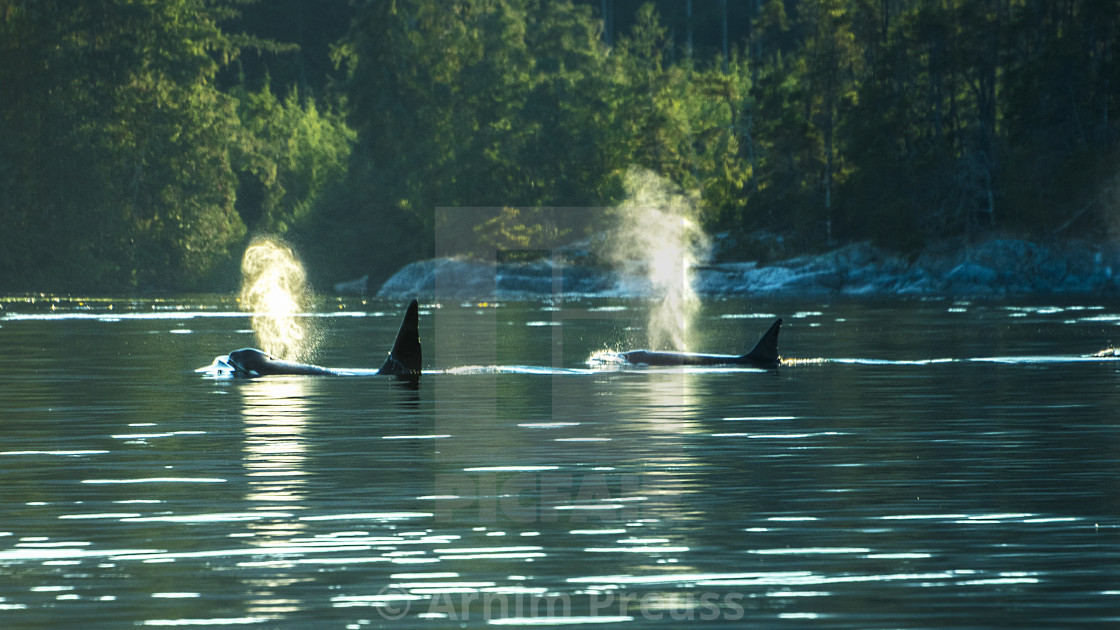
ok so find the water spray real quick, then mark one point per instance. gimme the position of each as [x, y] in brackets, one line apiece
[657, 228]
[274, 290]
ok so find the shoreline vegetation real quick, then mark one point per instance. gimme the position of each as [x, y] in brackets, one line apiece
[848, 146]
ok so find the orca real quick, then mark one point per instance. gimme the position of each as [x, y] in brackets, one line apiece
[763, 355]
[404, 360]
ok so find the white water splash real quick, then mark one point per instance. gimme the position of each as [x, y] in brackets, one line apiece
[274, 289]
[659, 231]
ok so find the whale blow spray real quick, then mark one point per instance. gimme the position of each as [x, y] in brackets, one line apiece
[274, 290]
[657, 230]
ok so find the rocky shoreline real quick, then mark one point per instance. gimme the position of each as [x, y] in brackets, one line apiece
[995, 268]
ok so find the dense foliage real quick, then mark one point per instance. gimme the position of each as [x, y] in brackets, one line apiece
[143, 143]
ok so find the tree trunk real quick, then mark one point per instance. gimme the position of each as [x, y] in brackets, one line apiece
[726, 56]
[608, 22]
[688, 25]
[828, 172]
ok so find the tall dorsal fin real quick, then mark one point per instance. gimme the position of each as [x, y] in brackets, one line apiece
[405, 359]
[766, 350]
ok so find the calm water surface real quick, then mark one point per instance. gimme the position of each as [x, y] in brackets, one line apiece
[927, 464]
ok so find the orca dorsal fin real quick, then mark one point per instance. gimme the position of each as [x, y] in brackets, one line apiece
[405, 359]
[766, 350]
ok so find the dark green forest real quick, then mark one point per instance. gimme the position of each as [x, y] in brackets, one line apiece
[144, 143]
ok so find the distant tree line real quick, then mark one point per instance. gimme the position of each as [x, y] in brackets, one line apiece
[143, 143]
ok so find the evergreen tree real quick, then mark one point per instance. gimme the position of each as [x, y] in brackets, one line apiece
[141, 144]
[118, 168]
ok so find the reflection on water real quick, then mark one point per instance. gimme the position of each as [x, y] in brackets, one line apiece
[942, 464]
[664, 415]
[275, 415]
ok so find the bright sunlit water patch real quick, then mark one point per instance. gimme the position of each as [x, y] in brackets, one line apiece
[510, 468]
[146, 480]
[748, 316]
[118, 317]
[606, 359]
[367, 516]
[59, 453]
[101, 515]
[759, 418]
[563, 620]
[207, 621]
[787, 551]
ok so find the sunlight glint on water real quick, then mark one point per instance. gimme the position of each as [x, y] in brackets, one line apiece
[948, 493]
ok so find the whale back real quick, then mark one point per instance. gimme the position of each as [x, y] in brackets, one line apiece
[406, 359]
[764, 354]
[253, 362]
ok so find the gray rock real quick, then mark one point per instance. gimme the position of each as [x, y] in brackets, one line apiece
[970, 277]
[996, 267]
[356, 287]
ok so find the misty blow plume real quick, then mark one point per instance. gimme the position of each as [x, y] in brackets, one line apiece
[274, 290]
[657, 233]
